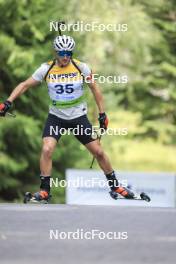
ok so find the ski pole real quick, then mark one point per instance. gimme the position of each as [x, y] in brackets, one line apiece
[9, 114]
[59, 25]
[12, 115]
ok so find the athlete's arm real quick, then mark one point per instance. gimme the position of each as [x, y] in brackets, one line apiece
[88, 78]
[97, 95]
[21, 88]
[103, 120]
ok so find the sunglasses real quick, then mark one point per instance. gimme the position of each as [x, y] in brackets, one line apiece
[63, 53]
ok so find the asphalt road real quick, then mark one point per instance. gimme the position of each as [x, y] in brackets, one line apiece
[26, 234]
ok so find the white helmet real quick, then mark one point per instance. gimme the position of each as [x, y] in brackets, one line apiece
[64, 43]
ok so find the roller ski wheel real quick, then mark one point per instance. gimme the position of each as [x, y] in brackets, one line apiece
[145, 197]
[40, 197]
[27, 197]
[114, 195]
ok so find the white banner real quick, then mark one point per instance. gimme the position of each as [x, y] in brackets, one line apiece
[90, 187]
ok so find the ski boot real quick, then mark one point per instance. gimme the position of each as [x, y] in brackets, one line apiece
[123, 191]
[39, 197]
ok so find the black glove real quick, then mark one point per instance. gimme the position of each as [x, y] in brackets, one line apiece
[4, 107]
[103, 121]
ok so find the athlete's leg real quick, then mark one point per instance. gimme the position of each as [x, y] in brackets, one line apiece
[96, 149]
[49, 144]
[51, 135]
[94, 146]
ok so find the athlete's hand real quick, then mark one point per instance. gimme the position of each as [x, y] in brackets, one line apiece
[4, 107]
[103, 121]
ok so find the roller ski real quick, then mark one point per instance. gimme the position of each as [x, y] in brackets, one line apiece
[41, 197]
[125, 193]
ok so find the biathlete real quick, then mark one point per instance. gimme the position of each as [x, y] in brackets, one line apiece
[65, 77]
